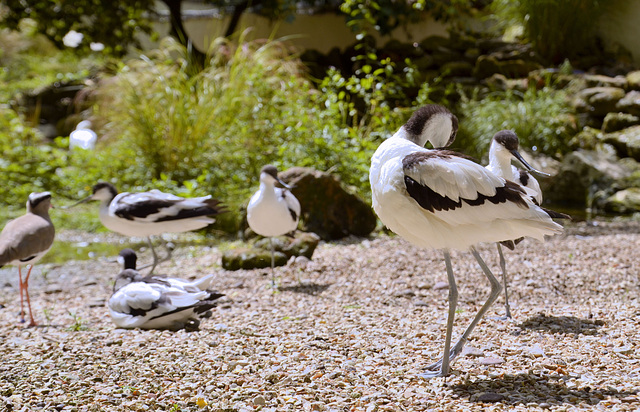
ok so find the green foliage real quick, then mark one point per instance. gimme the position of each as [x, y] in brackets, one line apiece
[30, 61]
[558, 29]
[114, 23]
[211, 132]
[538, 117]
[386, 15]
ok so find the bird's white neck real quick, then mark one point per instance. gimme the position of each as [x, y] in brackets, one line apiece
[498, 162]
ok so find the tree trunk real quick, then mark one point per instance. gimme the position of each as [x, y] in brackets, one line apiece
[235, 17]
[179, 33]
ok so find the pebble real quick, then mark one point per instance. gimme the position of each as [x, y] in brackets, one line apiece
[441, 286]
[491, 361]
[260, 400]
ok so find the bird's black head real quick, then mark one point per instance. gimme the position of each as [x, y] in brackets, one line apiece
[508, 139]
[271, 170]
[104, 186]
[127, 258]
[434, 123]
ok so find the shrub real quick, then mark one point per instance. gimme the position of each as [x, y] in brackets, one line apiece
[558, 29]
[539, 118]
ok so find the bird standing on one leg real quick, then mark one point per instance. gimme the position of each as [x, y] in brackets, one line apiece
[25, 240]
[272, 211]
[441, 199]
[151, 213]
[504, 147]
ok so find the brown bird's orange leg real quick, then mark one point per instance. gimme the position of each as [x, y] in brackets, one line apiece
[21, 294]
[26, 292]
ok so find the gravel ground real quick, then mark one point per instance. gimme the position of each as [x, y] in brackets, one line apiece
[348, 331]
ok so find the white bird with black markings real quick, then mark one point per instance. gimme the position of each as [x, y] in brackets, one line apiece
[152, 213]
[25, 240]
[504, 148]
[272, 211]
[440, 199]
[156, 302]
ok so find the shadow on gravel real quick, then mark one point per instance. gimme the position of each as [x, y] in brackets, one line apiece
[525, 388]
[306, 288]
[562, 324]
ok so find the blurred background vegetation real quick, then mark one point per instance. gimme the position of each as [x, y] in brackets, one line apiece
[196, 123]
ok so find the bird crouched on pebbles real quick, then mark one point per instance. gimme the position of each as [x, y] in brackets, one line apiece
[156, 302]
[25, 240]
[439, 199]
[146, 214]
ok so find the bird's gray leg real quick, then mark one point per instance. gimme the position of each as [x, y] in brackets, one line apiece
[442, 367]
[503, 266]
[493, 295]
[273, 263]
[153, 252]
[167, 248]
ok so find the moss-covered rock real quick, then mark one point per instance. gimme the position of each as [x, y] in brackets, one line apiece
[624, 201]
[303, 244]
[630, 103]
[633, 80]
[327, 208]
[626, 142]
[614, 122]
[598, 101]
[251, 258]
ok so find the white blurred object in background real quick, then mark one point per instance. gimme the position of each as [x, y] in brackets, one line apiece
[83, 136]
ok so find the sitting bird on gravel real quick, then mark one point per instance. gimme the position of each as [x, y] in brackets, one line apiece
[157, 302]
[272, 211]
[152, 213]
[25, 240]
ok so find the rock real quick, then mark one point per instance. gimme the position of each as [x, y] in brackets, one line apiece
[456, 68]
[624, 201]
[259, 255]
[598, 80]
[490, 397]
[327, 208]
[536, 351]
[587, 139]
[633, 80]
[435, 42]
[487, 65]
[630, 103]
[618, 121]
[500, 82]
[626, 142]
[495, 360]
[303, 244]
[259, 400]
[583, 173]
[472, 351]
[251, 258]
[598, 101]
[441, 286]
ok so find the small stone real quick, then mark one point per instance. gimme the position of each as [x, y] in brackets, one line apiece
[491, 361]
[624, 350]
[490, 397]
[536, 351]
[441, 285]
[404, 293]
[260, 400]
[472, 351]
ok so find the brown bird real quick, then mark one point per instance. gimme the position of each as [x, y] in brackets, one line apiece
[24, 241]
